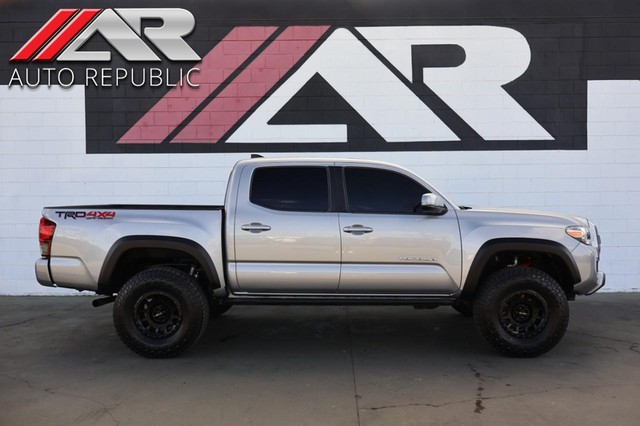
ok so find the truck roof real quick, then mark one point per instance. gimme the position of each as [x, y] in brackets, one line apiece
[313, 160]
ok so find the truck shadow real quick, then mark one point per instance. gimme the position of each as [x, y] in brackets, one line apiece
[310, 331]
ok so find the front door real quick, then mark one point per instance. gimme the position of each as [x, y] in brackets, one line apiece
[389, 246]
[286, 238]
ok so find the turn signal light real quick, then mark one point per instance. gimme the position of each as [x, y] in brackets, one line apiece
[580, 233]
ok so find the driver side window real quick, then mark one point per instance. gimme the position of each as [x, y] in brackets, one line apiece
[381, 191]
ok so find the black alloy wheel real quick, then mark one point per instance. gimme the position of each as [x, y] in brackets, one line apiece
[524, 314]
[157, 315]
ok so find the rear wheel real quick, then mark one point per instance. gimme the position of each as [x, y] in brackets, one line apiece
[522, 312]
[160, 312]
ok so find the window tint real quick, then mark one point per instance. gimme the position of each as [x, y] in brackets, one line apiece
[291, 188]
[382, 191]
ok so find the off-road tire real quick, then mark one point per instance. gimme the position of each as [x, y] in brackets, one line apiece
[217, 310]
[513, 283]
[167, 293]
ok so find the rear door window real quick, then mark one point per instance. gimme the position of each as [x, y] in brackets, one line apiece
[291, 188]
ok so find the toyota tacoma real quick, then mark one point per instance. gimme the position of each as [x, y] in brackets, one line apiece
[322, 232]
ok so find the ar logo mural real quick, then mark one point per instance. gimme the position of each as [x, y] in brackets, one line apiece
[68, 30]
[250, 75]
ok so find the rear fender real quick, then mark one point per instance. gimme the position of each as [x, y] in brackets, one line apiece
[123, 245]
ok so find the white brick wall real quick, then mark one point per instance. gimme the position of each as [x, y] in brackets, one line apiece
[42, 162]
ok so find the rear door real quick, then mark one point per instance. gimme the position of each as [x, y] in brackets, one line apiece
[287, 239]
[389, 246]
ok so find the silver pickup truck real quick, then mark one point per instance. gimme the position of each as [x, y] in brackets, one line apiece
[322, 231]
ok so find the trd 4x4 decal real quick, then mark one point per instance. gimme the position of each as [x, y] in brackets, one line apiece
[100, 215]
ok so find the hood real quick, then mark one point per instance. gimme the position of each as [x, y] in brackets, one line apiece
[524, 215]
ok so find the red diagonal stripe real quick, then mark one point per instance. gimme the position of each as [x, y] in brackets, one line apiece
[66, 35]
[43, 35]
[215, 68]
[235, 100]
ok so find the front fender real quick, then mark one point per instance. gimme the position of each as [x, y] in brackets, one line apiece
[492, 247]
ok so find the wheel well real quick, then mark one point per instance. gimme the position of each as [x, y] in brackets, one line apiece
[549, 263]
[135, 260]
[131, 254]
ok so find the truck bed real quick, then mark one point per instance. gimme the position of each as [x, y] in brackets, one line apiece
[86, 234]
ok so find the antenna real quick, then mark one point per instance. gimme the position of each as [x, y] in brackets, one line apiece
[256, 156]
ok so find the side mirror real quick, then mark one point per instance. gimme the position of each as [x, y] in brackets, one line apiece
[432, 204]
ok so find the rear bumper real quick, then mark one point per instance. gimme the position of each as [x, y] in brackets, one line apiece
[43, 274]
[590, 286]
[68, 272]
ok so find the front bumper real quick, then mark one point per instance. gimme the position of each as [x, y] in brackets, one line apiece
[587, 258]
[590, 286]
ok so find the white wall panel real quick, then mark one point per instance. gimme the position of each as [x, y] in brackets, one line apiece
[42, 162]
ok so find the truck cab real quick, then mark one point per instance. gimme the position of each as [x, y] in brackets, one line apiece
[338, 228]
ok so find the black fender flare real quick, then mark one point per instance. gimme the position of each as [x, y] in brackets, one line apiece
[124, 244]
[492, 247]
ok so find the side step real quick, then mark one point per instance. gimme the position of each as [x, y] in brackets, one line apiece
[417, 302]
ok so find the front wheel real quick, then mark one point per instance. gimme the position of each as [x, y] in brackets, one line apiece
[160, 312]
[522, 312]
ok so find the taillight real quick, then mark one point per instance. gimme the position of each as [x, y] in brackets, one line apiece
[45, 234]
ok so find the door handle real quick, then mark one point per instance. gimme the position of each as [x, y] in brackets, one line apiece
[255, 227]
[357, 229]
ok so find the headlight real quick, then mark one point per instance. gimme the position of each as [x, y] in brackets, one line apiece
[580, 233]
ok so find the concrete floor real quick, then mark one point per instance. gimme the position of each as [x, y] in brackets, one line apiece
[61, 363]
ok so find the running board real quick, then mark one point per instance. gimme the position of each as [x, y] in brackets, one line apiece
[418, 302]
